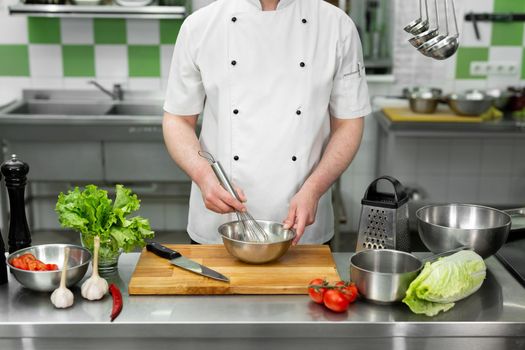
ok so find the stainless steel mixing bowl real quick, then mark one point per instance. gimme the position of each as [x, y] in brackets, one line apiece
[47, 281]
[383, 275]
[473, 103]
[445, 227]
[257, 252]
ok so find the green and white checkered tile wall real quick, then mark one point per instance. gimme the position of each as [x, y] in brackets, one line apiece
[498, 41]
[86, 48]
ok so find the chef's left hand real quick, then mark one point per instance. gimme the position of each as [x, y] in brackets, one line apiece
[301, 212]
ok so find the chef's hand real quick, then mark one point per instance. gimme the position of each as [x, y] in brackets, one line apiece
[301, 212]
[217, 199]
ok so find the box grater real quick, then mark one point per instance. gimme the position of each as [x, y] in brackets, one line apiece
[384, 218]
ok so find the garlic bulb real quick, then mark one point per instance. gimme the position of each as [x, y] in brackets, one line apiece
[62, 297]
[95, 287]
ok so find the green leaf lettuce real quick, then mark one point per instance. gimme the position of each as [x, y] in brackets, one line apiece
[444, 282]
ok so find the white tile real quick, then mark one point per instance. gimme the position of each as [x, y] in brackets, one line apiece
[166, 54]
[463, 189]
[45, 61]
[436, 188]
[404, 158]
[497, 156]
[365, 160]
[77, 30]
[13, 29]
[144, 84]
[461, 85]
[433, 157]
[47, 83]
[78, 83]
[143, 31]
[468, 37]
[11, 88]
[111, 61]
[494, 190]
[505, 54]
[465, 156]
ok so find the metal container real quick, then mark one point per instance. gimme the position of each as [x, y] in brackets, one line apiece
[383, 276]
[257, 252]
[473, 103]
[501, 98]
[423, 102]
[445, 227]
[47, 281]
[384, 218]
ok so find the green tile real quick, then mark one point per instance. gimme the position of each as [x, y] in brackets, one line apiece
[43, 30]
[465, 56]
[507, 34]
[78, 60]
[169, 29]
[509, 6]
[14, 60]
[144, 60]
[109, 30]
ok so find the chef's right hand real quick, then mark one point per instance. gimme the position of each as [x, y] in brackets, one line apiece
[217, 199]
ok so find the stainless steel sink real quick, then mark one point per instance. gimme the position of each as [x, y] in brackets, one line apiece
[54, 108]
[136, 109]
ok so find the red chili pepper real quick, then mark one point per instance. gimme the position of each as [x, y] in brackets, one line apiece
[117, 301]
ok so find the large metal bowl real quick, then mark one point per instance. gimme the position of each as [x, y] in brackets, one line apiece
[47, 281]
[257, 252]
[446, 227]
[382, 275]
[473, 103]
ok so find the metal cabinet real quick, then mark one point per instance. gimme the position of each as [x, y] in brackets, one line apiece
[60, 161]
[140, 161]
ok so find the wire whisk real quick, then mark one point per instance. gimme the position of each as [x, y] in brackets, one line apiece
[251, 229]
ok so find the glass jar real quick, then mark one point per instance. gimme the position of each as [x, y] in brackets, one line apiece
[108, 254]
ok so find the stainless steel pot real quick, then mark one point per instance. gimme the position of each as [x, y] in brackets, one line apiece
[383, 275]
[445, 227]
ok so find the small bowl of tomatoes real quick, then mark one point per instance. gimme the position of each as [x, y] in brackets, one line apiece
[39, 267]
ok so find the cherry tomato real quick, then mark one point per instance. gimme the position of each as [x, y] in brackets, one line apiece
[335, 300]
[51, 267]
[316, 291]
[349, 290]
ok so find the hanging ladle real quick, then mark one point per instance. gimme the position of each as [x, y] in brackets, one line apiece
[424, 24]
[410, 27]
[420, 39]
[447, 47]
[425, 47]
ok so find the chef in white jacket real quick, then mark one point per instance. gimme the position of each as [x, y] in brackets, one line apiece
[281, 89]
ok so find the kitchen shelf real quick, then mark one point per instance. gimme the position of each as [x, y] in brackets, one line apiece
[105, 11]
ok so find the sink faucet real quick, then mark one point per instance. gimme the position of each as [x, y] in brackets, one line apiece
[116, 94]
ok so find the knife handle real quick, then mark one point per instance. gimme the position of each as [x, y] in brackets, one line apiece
[162, 251]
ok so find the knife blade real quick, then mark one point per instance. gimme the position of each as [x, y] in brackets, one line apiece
[178, 260]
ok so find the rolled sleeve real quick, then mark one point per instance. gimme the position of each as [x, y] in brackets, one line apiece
[185, 92]
[349, 97]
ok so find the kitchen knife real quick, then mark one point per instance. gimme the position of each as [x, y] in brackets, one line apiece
[177, 259]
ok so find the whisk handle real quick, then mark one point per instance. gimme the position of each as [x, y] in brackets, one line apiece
[223, 179]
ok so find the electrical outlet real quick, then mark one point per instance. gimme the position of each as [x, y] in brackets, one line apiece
[503, 68]
[478, 68]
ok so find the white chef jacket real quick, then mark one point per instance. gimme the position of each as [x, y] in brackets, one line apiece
[266, 83]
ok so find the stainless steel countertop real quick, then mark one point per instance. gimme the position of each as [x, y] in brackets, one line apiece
[499, 127]
[496, 310]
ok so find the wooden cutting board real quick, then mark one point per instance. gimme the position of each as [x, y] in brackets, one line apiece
[289, 275]
[406, 115]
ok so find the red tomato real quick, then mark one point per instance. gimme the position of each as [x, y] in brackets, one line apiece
[349, 290]
[316, 291]
[51, 267]
[335, 300]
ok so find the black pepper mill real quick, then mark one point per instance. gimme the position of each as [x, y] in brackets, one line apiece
[15, 173]
[3, 265]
